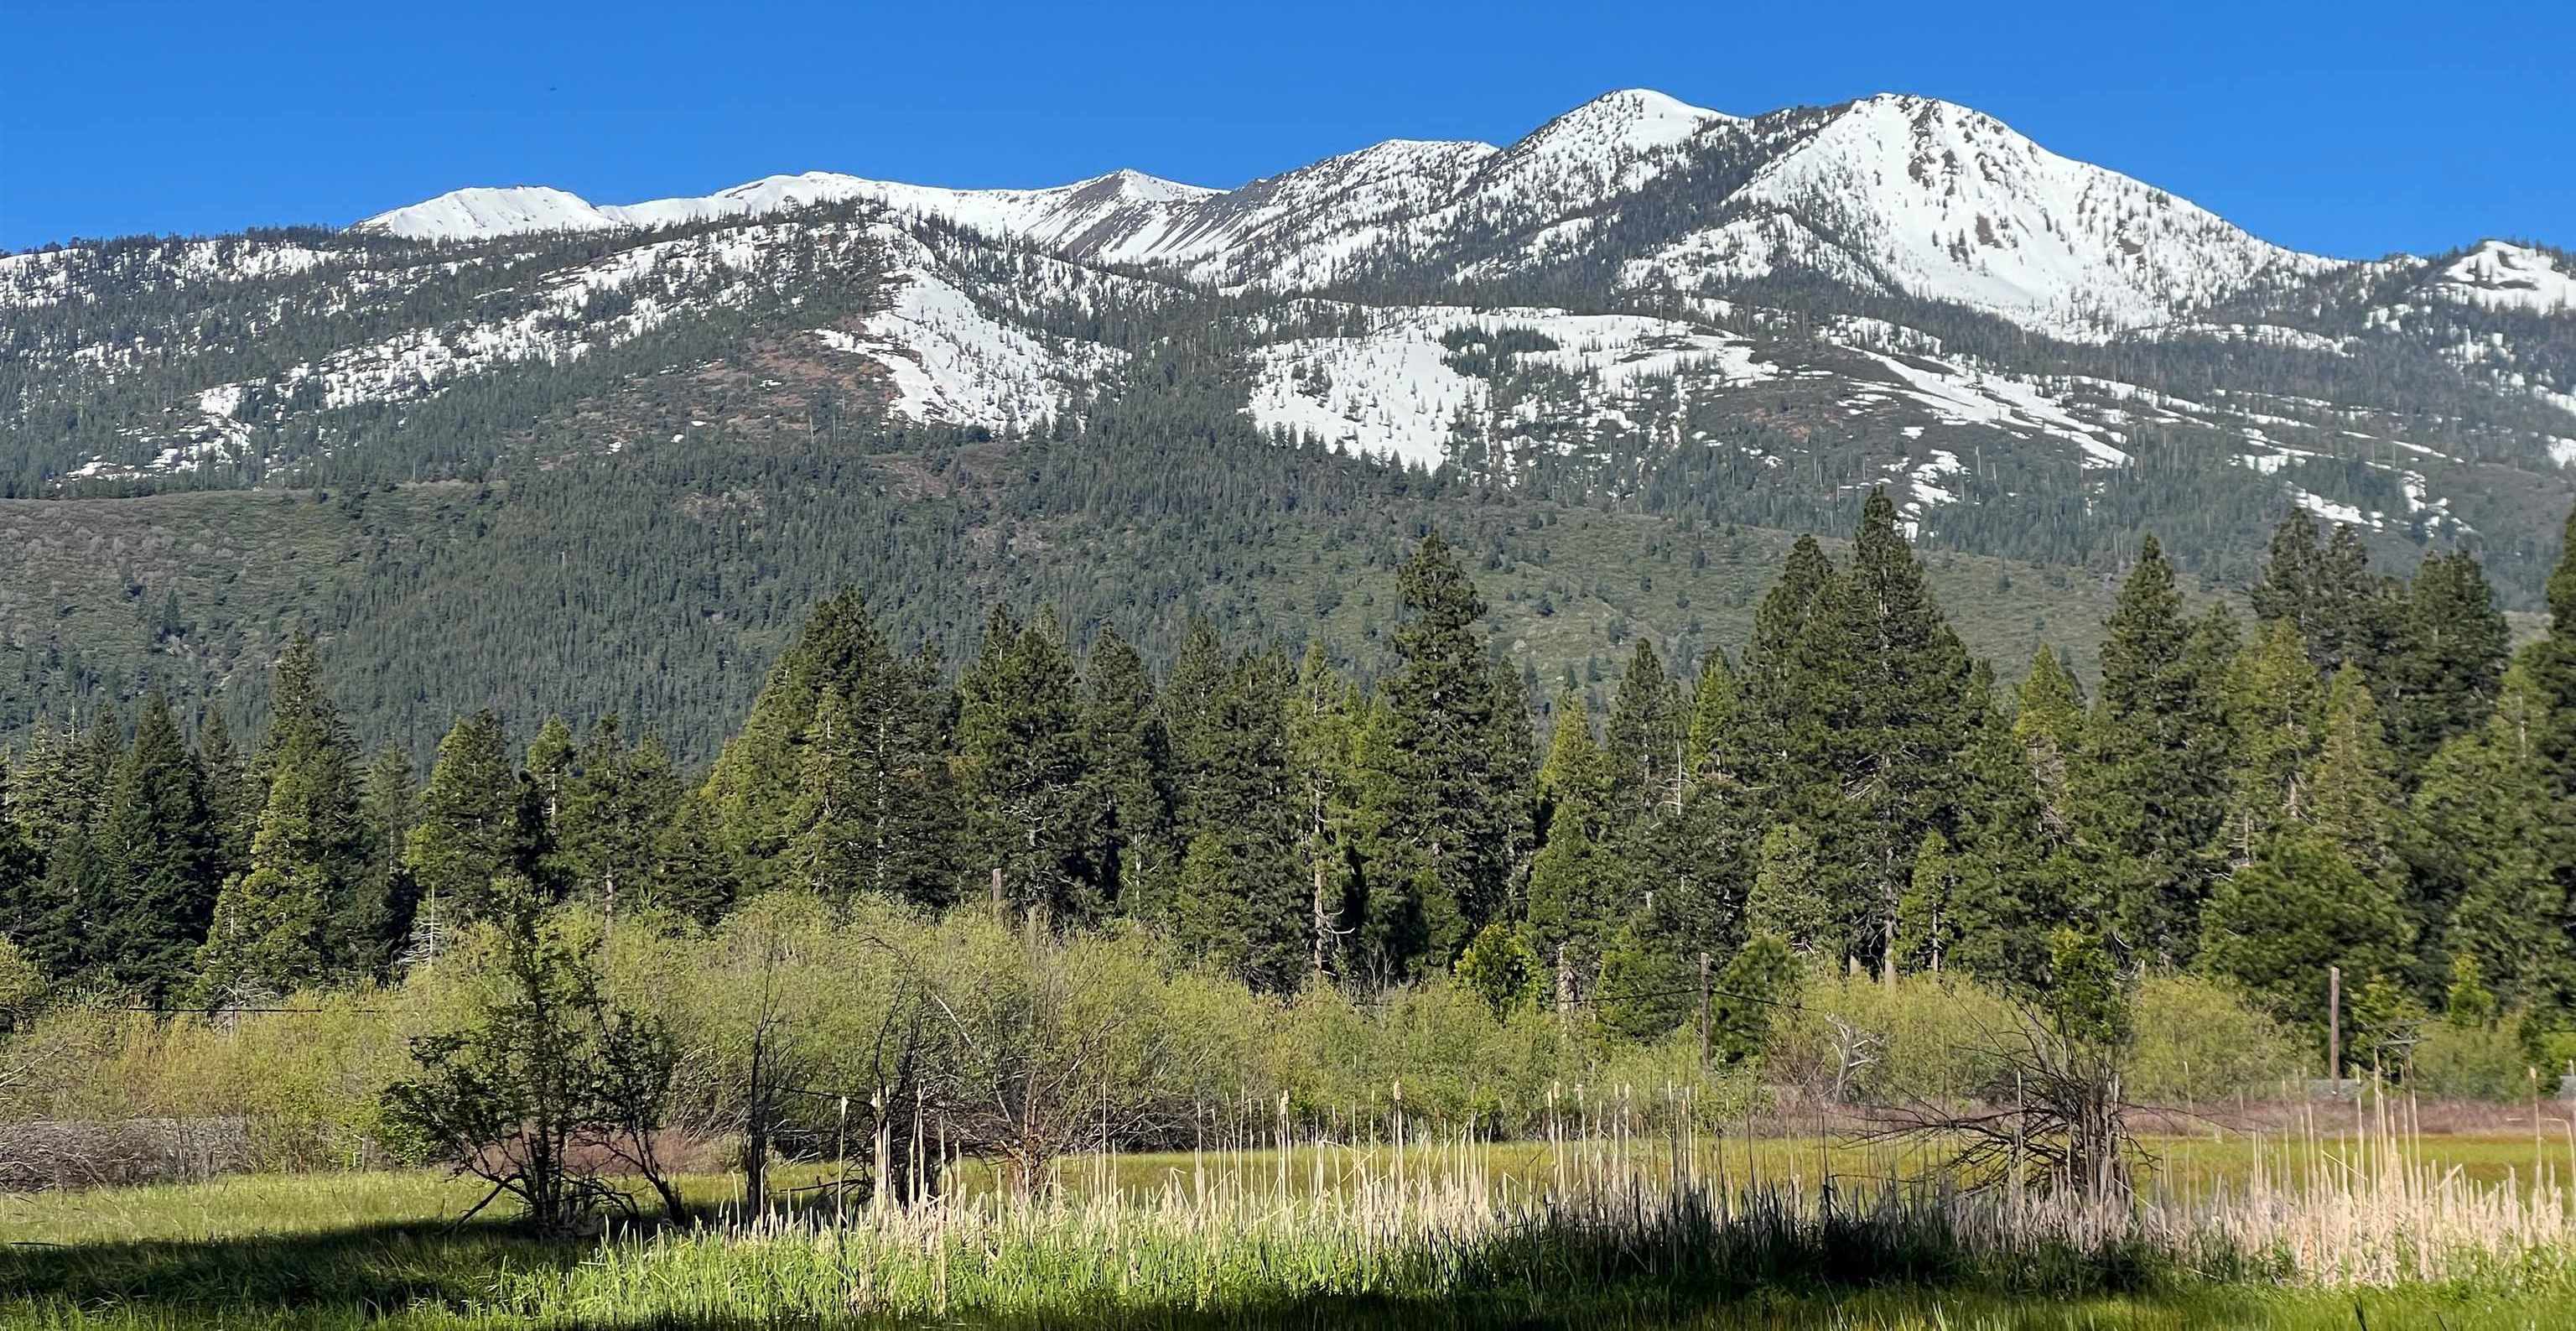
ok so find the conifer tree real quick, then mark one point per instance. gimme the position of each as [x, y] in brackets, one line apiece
[2451, 657]
[752, 799]
[1575, 897]
[2151, 796]
[2048, 722]
[1759, 983]
[2273, 704]
[733, 833]
[2479, 837]
[2354, 786]
[1127, 804]
[1891, 679]
[48, 795]
[2012, 861]
[375, 917]
[2326, 593]
[1644, 740]
[1928, 918]
[1391, 935]
[152, 847]
[829, 848]
[1775, 705]
[2275, 925]
[1324, 722]
[232, 807]
[1788, 899]
[18, 873]
[1242, 901]
[268, 934]
[1715, 704]
[2288, 592]
[550, 766]
[613, 814]
[1020, 743]
[73, 891]
[474, 823]
[1457, 809]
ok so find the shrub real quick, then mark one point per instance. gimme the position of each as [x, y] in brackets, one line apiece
[2469, 1063]
[2198, 1040]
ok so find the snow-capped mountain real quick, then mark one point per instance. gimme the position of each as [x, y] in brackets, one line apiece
[1904, 195]
[1643, 300]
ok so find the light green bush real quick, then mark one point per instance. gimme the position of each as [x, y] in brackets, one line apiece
[2199, 1041]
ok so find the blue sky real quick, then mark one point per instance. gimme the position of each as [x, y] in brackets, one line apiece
[2352, 129]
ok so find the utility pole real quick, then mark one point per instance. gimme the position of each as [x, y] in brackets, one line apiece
[2334, 1023]
[1703, 1009]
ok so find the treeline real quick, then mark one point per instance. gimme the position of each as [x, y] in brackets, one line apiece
[2358, 778]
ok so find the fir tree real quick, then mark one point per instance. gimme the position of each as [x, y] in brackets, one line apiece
[1242, 902]
[269, 929]
[2272, 701]
[1324, 721]
[1929, 918]
[2048, 722]
[374, 919]
[829, 849]
[1890, 679]
[1788, 899]
[2288, 591]
[1020, 744]
[49, 793]
[1127, 765]
[1713, 744]
[152, 844]
[1574, 896]
[268, 932]
[550, 766]
[2013, 860]
[2479, 836]
[473, 825]
[1775, 705]
[74, 890]
[2151, 796]
[732, 835]
[2451, 657]
[613, 815]
[1644, 741]
[2354, 787]
[1456, 808]
[232, 807]
[2276, 924]
[1759, 983]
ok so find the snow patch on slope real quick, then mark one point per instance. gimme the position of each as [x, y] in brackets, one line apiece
[1394, 391]
[954, 364]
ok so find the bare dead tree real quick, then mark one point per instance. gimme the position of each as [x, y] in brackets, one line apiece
[2053, 1116]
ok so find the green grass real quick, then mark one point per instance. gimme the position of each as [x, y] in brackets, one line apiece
[1216, 1239]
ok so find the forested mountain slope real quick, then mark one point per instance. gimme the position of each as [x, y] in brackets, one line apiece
[626, 445]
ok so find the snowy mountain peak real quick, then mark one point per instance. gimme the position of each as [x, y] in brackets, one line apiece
[1640, 119]
[1936, 200]
[476, 212]
[2502, 275]
[1138, 187]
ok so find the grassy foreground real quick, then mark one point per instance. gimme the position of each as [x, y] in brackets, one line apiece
[2341, 1235]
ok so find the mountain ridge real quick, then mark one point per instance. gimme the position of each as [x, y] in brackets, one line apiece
[1979, 221]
